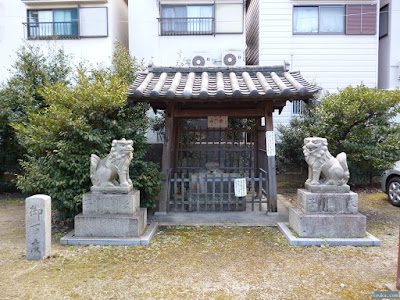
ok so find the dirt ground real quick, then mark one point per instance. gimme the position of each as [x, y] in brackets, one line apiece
[202, 263]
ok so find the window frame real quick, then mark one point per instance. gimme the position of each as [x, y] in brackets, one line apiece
[387, 11]
[298, 107]
[319, 9]
[363, 23]
[53, 34]
[63, 37]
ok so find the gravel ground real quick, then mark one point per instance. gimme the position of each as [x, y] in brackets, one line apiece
[202, 263]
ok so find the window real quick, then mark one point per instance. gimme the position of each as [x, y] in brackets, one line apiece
[229, 18]
[67, 23]
[297, 107]
[93, 22]
[384, 21]
[62, 23]
[361, 19]
[334, 19]
[202, 19]
[187, 19]
[318, 19]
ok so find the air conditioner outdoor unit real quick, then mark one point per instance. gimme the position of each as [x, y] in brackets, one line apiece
[201, 60]
[233, 59]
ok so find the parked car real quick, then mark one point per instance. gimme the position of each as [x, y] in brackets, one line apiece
[391, 184]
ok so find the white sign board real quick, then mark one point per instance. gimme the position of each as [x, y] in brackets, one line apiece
[270, 139]
[217, 121]
[240, 187]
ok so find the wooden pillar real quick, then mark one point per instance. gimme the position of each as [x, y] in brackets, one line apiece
[271, 166]
[167, 156]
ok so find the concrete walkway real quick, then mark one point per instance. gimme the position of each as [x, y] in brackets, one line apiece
[245, 218]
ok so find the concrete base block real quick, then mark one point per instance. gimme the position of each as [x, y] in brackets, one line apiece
[112, 189]
[368, 240]
[72, 239]
[327, 225]
[95, 203]
[327, 203]
[325, 188]
[111, 225]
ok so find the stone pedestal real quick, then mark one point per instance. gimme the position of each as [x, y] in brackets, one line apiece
[111, 225]
[95, 203]
[329, 215]
[327, 203]
[111, 215]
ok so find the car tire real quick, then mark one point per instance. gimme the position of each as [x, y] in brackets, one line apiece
[393, 190]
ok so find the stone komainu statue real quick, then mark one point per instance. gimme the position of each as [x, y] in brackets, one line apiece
[103, 172]
[320, 162]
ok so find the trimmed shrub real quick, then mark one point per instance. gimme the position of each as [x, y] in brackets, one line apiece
[76, 121]
[357, 121]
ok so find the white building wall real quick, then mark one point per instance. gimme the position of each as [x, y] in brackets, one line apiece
[330, 61]
[389, 54]
[389, 49]
[146, 43]
[94, 50]
[12, 14]
[118, 22]
[384, 55]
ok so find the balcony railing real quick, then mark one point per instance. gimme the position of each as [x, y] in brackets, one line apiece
[50, 30]
[186, 26]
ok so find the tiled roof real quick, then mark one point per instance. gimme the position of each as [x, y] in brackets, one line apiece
[250, 82]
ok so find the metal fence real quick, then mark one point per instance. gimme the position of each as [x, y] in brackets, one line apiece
[49, 30]
[186, 26]
[232, 149]
[216, 192]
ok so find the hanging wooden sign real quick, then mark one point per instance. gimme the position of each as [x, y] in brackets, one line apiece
[217, 121]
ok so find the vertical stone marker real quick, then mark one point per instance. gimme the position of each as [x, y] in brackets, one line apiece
[38, 226]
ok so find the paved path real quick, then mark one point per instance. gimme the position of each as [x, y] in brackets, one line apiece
[246, 218]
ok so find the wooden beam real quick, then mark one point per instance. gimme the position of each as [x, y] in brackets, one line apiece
[234, 113]
[271, 165]
[166, 156]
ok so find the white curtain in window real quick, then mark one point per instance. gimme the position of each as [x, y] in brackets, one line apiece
[60, 17]
[45, 18]
[331, 19]
[63, 21]
[305, 19]
[178, 23]
[33, 23]
[197, 12]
